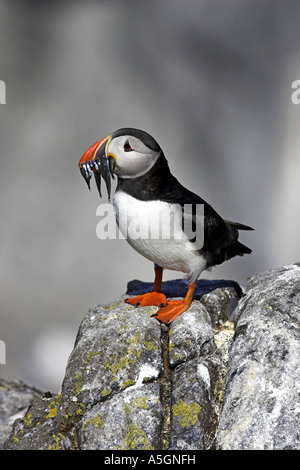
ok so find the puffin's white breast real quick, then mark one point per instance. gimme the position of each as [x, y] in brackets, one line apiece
[154, 229]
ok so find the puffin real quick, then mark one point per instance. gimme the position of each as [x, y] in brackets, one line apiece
[162, 220]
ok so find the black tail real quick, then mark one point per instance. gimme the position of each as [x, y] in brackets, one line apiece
[228, 252]
[238, 225]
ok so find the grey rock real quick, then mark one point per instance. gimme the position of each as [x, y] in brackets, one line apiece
[133, 383]
[198, 357]
[261, 407]
[129, 420]
[39, 429]
[116, 346]
[192, 414]
[15, 397]
[202, 383]
[190, 335]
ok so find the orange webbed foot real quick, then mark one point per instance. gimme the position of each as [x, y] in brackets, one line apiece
[171, 311]
[174, 308]
[150, 298]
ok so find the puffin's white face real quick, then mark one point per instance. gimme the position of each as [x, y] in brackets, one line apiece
[127, 152]
[133, 158]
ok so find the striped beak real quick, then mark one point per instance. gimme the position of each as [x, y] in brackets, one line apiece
[95, 161]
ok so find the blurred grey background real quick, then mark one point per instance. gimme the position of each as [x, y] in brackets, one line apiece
[209, 79]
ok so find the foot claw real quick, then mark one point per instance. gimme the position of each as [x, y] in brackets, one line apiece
[174, 308]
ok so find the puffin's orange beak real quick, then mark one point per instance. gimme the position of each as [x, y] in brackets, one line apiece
[95, 161]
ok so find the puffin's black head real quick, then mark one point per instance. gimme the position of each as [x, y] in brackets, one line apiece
[127, 152]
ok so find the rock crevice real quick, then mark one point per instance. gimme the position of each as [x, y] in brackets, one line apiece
[166, 390]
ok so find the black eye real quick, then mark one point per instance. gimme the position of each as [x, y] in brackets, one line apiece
[127, 146]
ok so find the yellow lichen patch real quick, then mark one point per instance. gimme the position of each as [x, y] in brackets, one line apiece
[80, 410]
[127, 409]
[97, 422]
[127, 383]
[56, 444]
[78, 382]
[112, 306]
[117, 364]
[91, 355]
[52, 408]
[28, 419]
[135, 338]
[187, 413]
[136, 439]
[149, 345]
[140, 403]
[52, 411]
[121, 364]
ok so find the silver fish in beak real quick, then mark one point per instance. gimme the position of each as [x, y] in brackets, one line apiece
[95, 161]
